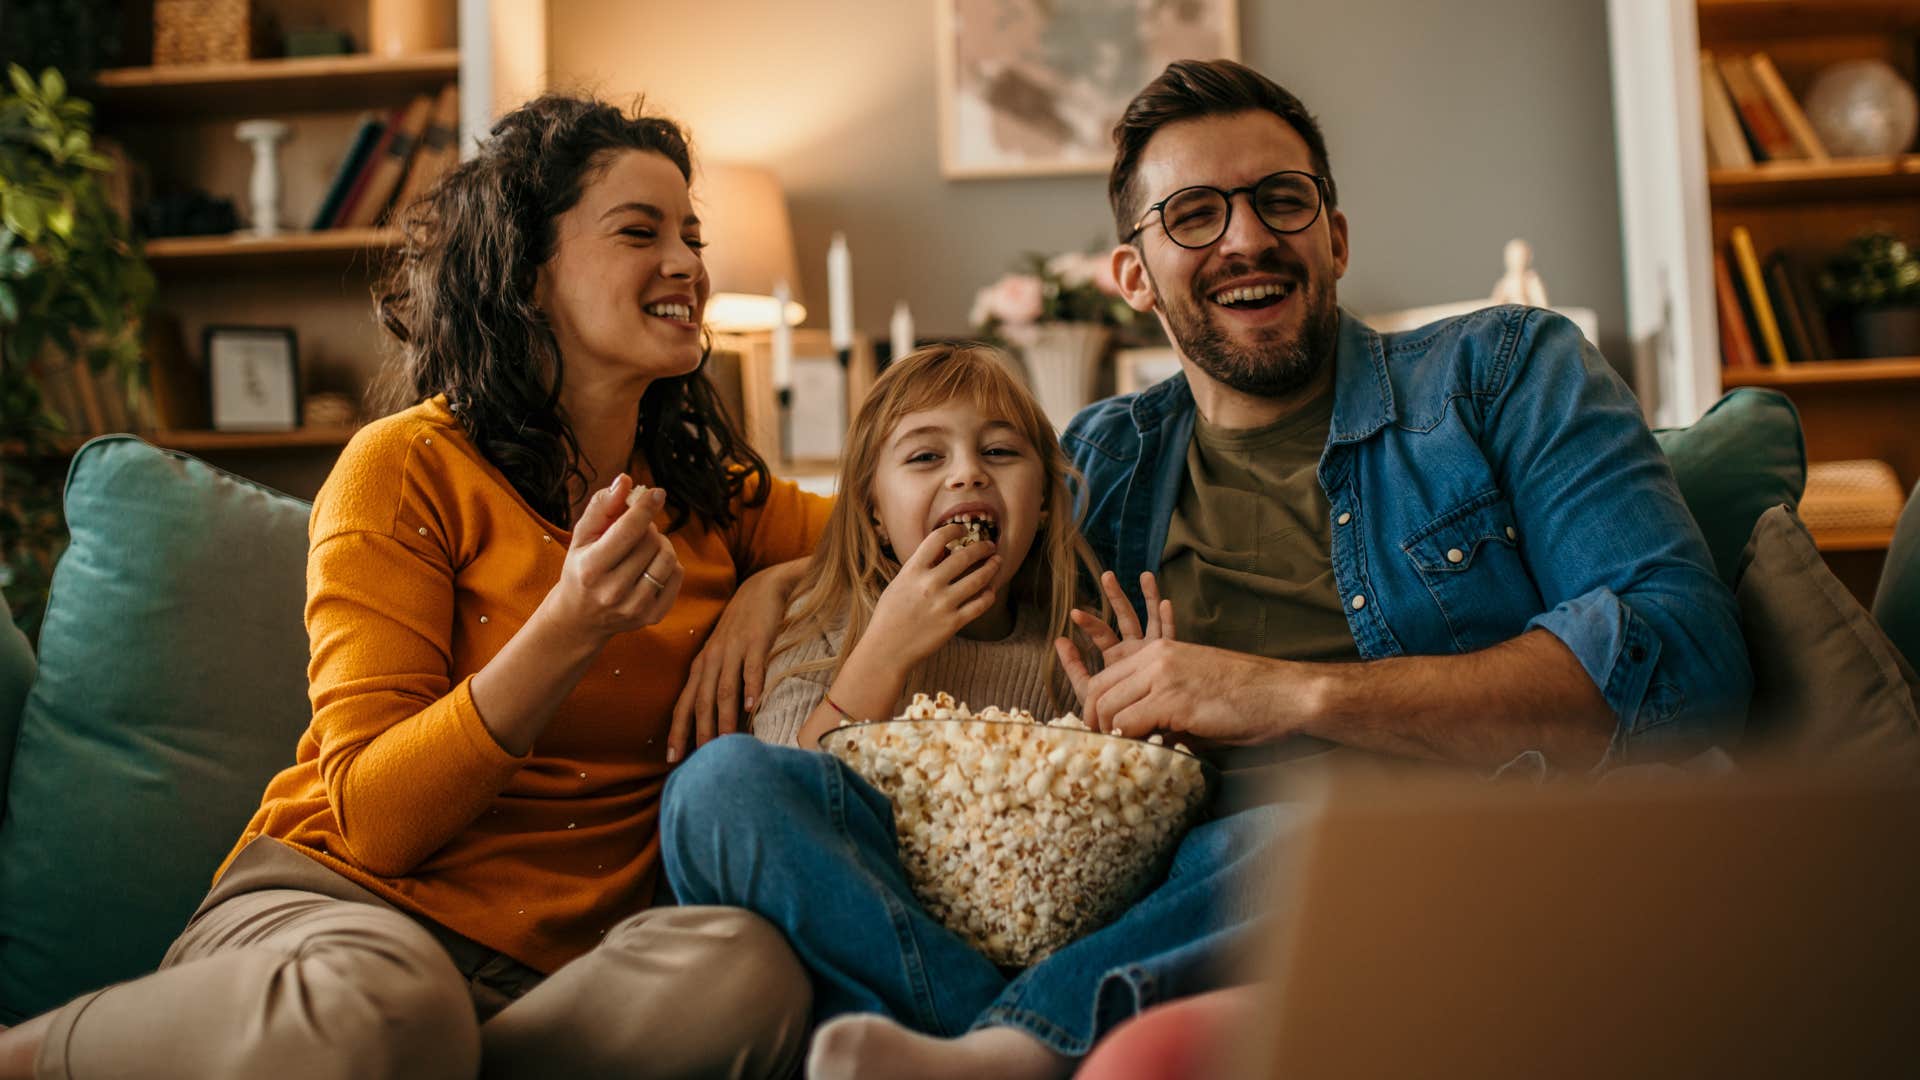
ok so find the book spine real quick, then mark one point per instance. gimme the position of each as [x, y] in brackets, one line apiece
[1736, 340]
[1726, 143]
[343, 177]
[1768, 133]
[1749, 262]
[1793, 323]
[1792, 116]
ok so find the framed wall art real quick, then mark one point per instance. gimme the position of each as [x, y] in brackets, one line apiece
[1034, 87]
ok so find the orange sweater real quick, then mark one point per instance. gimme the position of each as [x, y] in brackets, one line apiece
[423, 562]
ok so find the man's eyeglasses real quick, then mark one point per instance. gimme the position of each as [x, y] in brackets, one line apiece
[1195, 217]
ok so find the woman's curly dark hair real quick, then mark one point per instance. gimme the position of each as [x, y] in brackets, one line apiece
[461, 303]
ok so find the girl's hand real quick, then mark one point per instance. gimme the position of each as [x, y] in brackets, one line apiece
[934, 595]
[1115, 647]
[621, 574]
[733, 662]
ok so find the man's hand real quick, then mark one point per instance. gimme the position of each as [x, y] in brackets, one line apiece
[1210, 694]
[728, 675]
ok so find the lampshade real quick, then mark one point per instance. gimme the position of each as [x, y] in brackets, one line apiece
[743, 219]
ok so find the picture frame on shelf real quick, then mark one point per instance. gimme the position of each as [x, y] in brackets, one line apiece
[253, 377]
[1029, 87]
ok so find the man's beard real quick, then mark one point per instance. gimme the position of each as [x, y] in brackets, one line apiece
[1264, 369]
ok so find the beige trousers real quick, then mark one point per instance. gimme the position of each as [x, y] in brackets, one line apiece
[290, 971]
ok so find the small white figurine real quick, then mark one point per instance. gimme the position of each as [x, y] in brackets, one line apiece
[1520, 285]
[264, 188]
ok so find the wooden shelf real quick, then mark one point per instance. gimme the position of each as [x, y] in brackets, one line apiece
[1825, 373]
[1853, 539]
[252, 87]
[1841, 178]
[240, 250]
[1728, 19]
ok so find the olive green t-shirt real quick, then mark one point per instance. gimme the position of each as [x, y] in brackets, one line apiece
[1249, 567]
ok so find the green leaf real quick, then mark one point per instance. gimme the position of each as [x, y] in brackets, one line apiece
[21, 212]
[60, 220]
[16, 264]
[9, 305]
[22, 82]
[53, 85]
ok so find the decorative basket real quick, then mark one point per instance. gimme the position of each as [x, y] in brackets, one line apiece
[1850, 496]
[201, 31]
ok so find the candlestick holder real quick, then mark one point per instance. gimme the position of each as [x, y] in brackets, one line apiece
[264, 188]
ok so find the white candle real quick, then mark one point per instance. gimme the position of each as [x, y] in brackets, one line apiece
[840, 292]
[901, 329]
[782, 338]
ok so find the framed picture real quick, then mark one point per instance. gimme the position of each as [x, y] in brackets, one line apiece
[1030, 87]
[253, 378]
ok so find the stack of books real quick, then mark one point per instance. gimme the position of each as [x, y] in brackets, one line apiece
[392, 159]
[1751, 117]
[1769, 314]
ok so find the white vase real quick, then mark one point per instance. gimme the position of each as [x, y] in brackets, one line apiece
[1063, 360]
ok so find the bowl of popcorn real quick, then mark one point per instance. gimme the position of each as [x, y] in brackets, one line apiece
[1018, 835]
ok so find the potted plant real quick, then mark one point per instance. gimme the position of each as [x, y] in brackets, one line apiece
[1061, 312]
[1876, 281]
[73, 287]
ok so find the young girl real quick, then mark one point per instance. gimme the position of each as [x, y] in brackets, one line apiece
[900, 597]
[949, 562]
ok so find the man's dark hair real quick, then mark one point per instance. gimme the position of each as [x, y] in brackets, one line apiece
[1189, 89]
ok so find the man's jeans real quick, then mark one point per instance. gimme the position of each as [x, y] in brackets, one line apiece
[800, 839]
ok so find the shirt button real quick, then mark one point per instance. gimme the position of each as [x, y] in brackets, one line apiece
[428, 441]
[1344, 518]
[545, 539]
[1359, 601]
[423, 530]
[1455, 555]
[483, 618]
[1510, 532]
[616, 671]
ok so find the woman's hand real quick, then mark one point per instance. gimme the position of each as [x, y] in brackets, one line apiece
[621, 573]
[935, 594]
[1115, 647]
[733, 662]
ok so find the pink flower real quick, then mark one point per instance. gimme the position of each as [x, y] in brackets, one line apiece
[1015, 300]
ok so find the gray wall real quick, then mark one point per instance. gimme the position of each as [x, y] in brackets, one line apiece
[1453, 125]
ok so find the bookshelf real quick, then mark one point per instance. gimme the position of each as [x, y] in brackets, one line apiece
[177, 124]
[1850, 407]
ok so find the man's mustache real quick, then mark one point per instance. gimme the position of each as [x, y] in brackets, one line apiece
[1270, 261]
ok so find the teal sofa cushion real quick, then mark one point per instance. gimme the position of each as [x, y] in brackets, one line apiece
[1744, 457]
[171, 687]
[1896, 603]
[16, 676]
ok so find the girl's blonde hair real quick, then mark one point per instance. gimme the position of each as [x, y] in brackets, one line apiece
[851, 566]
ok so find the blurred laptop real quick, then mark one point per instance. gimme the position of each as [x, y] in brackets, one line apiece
[1739, 927]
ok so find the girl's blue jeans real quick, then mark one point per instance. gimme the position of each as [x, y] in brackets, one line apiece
[800, 839]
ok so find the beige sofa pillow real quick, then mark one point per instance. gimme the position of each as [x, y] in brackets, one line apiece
[1829, 688]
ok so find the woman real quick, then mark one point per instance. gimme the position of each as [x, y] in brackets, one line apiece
[459, 870]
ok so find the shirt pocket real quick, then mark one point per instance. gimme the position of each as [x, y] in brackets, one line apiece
[1469, 560]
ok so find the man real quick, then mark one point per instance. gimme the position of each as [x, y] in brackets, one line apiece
[1471, 516]
[1459, 543]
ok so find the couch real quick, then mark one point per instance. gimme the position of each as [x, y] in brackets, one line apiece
[170, 680]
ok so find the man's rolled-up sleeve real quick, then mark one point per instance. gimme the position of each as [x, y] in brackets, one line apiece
[1618, 558]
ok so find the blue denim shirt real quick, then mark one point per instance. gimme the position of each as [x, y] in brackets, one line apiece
[1486, 475]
